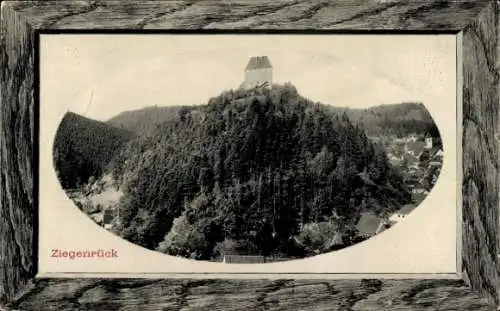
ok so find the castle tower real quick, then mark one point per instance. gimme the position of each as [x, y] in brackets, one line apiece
[258, 72]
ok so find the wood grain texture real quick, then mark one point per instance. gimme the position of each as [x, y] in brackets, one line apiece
[249, 295]
[17, 161]
[480, 151]
[478, 19]
[245, 14]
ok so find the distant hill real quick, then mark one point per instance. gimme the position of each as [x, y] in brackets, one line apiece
[146, 119]
[395, 119]
[83, 147]
[399, 119]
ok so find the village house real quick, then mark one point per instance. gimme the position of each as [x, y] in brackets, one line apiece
[258, 72]
[435, 163]
[402, 213]
[103, 218]
[396, 153]
[394, 160]
[412, 171]
[411, 161]
[412, 138]
[428, 141]
[97, 218]
[415, 148]
[370, 225]
[419, 190]
[436, 157]
[438, 154]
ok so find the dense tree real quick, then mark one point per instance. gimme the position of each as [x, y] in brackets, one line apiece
[254, 171]
[319, 237]
[83, 147]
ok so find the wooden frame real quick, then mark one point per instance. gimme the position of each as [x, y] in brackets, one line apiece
[476, 21]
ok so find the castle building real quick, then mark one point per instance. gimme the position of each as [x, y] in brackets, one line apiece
[258, 72]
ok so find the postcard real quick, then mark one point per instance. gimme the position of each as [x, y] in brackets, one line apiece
[249, 155]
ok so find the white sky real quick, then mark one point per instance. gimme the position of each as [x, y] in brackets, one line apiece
[128, 72]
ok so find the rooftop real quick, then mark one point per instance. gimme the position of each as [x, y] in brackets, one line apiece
[258, 62]
[405, 210]
[418, 146]
[369, 224]
[419, 197]
[437, 152]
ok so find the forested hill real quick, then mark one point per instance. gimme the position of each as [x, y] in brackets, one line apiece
[83, 147]
[395, 119]
[145, 120]
[252, 172]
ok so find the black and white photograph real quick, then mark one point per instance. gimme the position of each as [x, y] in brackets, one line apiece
[258, 173]
[257, 155]
[247, 149]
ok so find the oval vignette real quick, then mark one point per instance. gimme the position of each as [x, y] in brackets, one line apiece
[258, 174]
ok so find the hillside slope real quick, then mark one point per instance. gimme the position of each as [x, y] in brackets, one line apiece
[83, 147]
[395, 119]
[145, 120]
[252, 172]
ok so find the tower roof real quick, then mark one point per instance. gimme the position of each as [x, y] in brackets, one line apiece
[259, 62]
